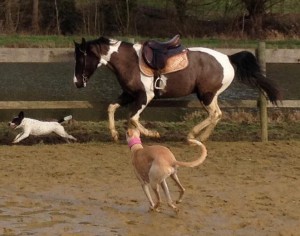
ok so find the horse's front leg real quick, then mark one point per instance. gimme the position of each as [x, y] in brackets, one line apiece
[140, 104]
[111, 120]
[123, 100]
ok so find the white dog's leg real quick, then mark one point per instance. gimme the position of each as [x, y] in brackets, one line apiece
[62, 133]
[20, 137]
[68, 136]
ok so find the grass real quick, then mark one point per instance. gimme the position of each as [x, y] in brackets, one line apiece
[229, 131]
[35, 41]
[234, 126]
[57, 41]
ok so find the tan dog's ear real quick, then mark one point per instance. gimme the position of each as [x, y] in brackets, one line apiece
[129, 132]
[131, 124]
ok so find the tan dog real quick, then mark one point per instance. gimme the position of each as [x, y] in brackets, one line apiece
[153, 164]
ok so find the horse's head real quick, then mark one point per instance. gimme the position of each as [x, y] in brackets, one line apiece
[88, 58]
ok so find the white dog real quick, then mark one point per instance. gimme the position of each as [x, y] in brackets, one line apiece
[36, 127]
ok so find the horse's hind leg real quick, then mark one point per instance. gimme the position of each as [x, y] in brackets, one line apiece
[214, 115]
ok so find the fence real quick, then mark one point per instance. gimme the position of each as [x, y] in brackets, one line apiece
[31, 55]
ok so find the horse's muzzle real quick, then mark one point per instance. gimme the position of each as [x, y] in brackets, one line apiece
[79, 85]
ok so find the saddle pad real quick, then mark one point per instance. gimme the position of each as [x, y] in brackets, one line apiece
[174, 63]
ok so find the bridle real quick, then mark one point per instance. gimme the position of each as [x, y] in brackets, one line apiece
[84, 76]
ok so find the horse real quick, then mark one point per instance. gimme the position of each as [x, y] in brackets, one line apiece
[207, 75]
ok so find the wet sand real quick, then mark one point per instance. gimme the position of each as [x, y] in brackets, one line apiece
[243, 188]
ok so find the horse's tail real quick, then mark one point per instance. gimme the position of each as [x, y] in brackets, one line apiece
[248, 71]
[198, 161]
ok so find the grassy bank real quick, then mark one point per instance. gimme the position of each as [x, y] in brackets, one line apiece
[55, 41]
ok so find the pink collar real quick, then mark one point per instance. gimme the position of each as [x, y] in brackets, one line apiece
[134, 141]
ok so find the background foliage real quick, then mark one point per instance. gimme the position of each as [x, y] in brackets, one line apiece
[155, 18]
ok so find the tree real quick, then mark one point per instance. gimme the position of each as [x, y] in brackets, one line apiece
[124, 12]
[257, 9]
[12, 13]
[57, 17]
[181, 8]
[35, 16]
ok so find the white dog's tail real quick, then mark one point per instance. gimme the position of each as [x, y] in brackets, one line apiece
[198, 161]
[66, 118]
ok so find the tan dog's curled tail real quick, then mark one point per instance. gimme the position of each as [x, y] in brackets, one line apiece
[198, 161]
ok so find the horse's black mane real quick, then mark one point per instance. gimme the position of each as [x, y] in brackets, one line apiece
[100, 40]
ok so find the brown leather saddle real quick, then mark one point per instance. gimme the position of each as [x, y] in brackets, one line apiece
[160, 58]
[156, 54]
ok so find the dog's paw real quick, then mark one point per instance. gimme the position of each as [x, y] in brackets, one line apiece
[179, 201]
[153, 209]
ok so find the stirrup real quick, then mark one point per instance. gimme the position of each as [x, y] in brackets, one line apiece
[158, 85]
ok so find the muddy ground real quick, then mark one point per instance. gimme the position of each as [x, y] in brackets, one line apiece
[243, 188]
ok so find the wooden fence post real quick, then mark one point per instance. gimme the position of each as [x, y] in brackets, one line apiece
[261, 55]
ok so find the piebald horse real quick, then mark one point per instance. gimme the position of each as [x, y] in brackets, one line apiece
[208, 74]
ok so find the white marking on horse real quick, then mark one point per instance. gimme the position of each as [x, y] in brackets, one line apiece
[112, 48]
[147, 82]
[228, 70]
[102, 61]
[75, 79]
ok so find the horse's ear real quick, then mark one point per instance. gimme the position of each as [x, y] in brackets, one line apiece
[76, 44]
[83, 42]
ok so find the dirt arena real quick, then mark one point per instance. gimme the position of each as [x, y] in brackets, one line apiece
[243, 188]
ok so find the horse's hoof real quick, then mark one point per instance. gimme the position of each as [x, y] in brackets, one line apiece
[115, 136]
[153, 134]
[191, 143]
[190, 136]
[203, 138]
